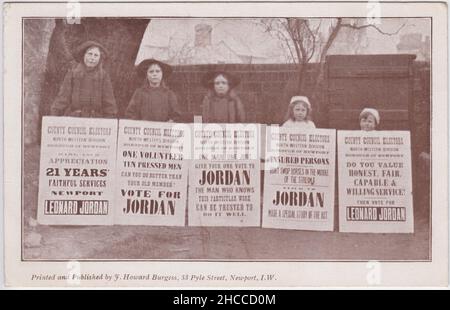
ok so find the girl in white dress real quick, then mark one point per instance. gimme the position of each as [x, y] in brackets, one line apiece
[369, 119]
[299, 113]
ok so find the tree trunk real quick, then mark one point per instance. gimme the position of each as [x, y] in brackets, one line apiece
[320, 75]
[121, 37]
[302, 69]
[37, 33]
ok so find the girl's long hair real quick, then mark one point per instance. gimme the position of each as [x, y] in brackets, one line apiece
[100, 61]
[163, 83]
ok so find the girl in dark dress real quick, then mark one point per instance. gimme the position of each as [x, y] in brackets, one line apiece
[153, 101]
[221, 104]
[86, 90]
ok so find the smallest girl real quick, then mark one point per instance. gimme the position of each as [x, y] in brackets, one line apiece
[369, 119]
[299, 113]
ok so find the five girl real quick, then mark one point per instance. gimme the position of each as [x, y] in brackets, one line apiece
[87, 92]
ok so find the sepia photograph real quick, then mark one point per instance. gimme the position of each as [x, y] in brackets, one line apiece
[242, 138]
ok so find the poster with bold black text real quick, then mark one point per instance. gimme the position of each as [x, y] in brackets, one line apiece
[224, 176]
[77, 166]
[375, 183]
[151, 173]
[299, 178]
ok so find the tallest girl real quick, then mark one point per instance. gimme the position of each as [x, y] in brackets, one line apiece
[86, 90]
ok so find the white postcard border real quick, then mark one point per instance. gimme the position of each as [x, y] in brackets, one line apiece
[290, 274]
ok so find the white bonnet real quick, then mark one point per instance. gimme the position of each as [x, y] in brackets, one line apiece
[373, 112]
[303, 99]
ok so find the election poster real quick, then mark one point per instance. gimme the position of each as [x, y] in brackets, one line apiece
[77, 171]
[224, 176]
[151, 173]
[299, 178]
[375, 185]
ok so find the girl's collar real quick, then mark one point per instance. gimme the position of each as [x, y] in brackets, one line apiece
[146, 84]
[91, 69]
[231, 94]
[81, 69]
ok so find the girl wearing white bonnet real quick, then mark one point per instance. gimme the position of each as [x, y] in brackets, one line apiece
[299, 113]
[369, 119]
